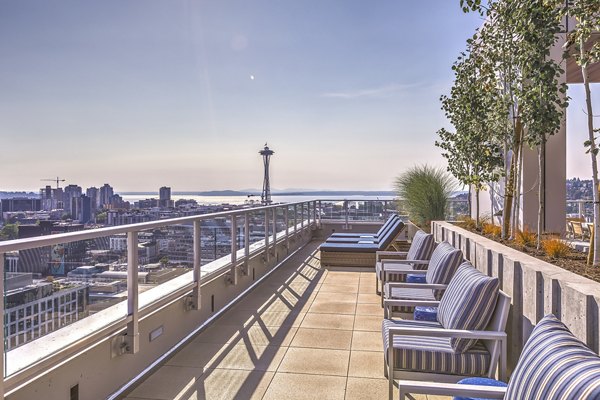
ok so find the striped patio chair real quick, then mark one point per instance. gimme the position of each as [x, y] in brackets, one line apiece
[440, 269]
[468, 339]
[416, 258]
[554, 365]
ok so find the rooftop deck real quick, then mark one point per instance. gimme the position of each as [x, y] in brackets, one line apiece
[306, 332]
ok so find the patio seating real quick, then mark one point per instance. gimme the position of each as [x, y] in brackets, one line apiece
[360, 253]
[554, 365]
[445, 259]
[468, 339]
[354, 237]
[417, 257]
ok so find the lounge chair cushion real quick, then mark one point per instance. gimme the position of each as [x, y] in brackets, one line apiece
[468, 303]
[443, 264]
[366, 246]
[433, 354]
[555, 364]
[420, 248]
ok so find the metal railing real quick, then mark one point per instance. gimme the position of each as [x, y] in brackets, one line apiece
[281, 222]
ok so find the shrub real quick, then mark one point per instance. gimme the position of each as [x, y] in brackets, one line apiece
[555, 248]
[526, 238]
[425, 192]
[467, 222]
[491, 230]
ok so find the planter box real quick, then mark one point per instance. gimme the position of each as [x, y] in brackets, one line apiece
[536, 287]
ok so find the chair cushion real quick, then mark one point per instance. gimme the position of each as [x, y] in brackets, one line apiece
[555, 364]
[415, 278]
[443, 264]
[480, 382]
[420, 248]
[468, 303]
[433, 354]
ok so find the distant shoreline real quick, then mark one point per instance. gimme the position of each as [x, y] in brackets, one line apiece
[246, 194]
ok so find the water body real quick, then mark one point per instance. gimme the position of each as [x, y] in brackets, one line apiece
[214, 200]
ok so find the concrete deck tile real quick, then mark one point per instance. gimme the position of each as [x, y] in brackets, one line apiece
[241, 356]
[229, 384]
[315, 361]
[336, 297]
[367, 341]
[369, 298]
[322, 339]
[335, 288]
[332, 307]
[167, 382]
[328, 321]
[369, 388]
[305, 387]
[368, 323]
[255, 334]
[369, 309]
[366, 364]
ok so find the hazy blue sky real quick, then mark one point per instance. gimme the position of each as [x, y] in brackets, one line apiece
[147, 93]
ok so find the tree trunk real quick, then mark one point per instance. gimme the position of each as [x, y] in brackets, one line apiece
[541, 191]
[469, 205]
[477, 206]
[593, 148]
[518, 184]
[509, 189]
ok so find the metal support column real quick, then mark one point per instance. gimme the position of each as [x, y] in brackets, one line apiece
[346, 213]
[246, 242]
[195, 304]
[132, 341]
[320, 213]
[234, 275]
[295, 217]
[275, 233]
[268, 256]
[286, 216]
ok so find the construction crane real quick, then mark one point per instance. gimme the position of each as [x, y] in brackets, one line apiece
[57, 180]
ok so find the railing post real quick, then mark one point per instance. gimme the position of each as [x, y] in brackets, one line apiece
[268, 256]
[2, 327]
[234, 276]
[346, 213]
[275, 233]
[314, 212]
[286, 216]
[320, 213]
[246, 242]
[385, 207]
[580, 208]
[302, 217]
[295, 217]
[132, 341]
[196, 298]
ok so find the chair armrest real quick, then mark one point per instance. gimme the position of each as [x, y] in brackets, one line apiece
[410, 303]
[395, 254]
[451, 333]
[450, 389]
[404, 261]
[433, 286]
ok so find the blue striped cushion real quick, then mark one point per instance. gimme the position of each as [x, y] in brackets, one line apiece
[555, 364]
[443, 264]
[468, 303]
[432, 354]
[420, 248]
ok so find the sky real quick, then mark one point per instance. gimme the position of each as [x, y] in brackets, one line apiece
[184, 93]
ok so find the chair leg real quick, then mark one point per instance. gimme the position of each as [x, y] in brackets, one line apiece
[391, 367]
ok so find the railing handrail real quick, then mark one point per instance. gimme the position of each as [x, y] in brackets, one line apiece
[60, 238]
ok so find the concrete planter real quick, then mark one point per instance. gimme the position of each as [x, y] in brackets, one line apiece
[536, 287]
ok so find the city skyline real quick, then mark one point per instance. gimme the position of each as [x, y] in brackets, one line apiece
[146, 93]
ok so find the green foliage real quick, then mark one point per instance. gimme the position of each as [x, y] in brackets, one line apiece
[101, 217]
[587, 14]
[425, 191]
[9, 232]
[164, 261]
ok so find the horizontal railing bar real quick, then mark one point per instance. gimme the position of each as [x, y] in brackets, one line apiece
[50, 240]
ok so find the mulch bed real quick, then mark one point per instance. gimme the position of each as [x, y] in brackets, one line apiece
[575, 261]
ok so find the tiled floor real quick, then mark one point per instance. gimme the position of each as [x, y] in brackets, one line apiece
[305, 333]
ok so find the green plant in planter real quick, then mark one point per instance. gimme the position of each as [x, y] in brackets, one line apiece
[425, 192]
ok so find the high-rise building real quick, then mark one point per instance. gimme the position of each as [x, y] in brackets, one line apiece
[93, 193]
[164, 197]
[71, 192]
[81, 209]
[106, 193]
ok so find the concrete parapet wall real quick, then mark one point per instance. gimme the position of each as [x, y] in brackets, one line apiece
[536, 287]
